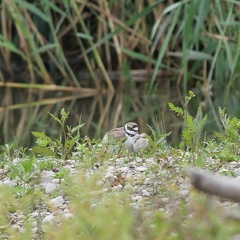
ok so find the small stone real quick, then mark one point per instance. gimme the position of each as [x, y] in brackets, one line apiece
[135, 206]
[55, 181]
[138, 160]
[68, 215]
[93, 205]
[110, 176]
[49, 218]
[136, 198]
[50, 187]
[150, 160]
[9, 183]
[120, 161]
[47, 175]
[99, 183]
[70, 162]
[119, 186]
[57, 201]
[16, 160]
[34, 229]
[110, 169]
[67, 167]
[147, 180]
[129, 175]
[224, 170]
[34, 214]
[165, 199]
[145, 193]
[141, 169]
[66, 210]
[123, 169]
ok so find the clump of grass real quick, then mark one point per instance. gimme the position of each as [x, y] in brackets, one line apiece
[227, 144]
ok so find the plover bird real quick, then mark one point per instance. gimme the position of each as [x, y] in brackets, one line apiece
[122, 135]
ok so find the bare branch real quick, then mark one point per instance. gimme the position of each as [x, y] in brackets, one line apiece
[215, 185]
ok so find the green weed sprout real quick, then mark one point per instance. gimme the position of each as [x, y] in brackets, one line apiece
[58, 147]
[192, 128]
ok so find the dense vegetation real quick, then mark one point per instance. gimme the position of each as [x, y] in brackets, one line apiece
[55, 54]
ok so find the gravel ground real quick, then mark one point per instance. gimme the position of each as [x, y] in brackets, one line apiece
[144, 178]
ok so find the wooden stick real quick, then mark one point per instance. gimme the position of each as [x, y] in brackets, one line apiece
[215, 185]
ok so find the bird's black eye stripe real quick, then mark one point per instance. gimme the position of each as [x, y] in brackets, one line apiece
[130, 127]
[134, 127]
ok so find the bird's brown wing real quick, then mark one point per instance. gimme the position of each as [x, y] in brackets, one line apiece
[117, 133]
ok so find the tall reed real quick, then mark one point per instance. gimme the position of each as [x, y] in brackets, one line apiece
[48, 48]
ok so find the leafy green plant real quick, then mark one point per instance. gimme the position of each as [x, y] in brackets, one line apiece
[90, 151]
[6, 154]
[21, 166]
[158, 142]
[231, 128]
[24, 172]
[192, 127]
[227, 145]
[13, 150]
[58, 147]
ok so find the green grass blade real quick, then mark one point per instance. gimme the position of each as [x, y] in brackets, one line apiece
[164, 47]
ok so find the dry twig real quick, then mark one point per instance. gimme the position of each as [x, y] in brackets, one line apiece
[215, 185]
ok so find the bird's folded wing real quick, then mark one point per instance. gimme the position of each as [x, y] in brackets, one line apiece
[117, 134]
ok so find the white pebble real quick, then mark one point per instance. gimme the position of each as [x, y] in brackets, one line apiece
[50, 187]
[120, 161]
[141, 169]
[9, 183]
[123, 169]
[135, 206]
[56, 181]
[34, 214]
[119, 186]
[57, 201]
[138, 160]
[66, 210]
[147, 181]
[99, 183]
[68, 215]
[47, 175]
[110, 168]
[67, 167]
[136, 198]
[109, 176]
[145, 193]
[49, 218]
